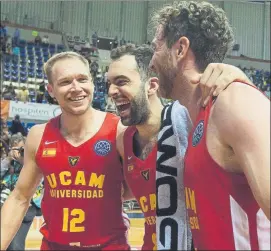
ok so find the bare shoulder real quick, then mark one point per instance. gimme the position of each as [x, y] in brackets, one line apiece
[34, 137]
[239, 103]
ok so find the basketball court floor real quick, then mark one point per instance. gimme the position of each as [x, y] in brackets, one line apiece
[135, 236]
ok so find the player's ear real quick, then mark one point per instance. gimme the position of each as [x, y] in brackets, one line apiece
[181, 46]
[50, 90]
[153, 86]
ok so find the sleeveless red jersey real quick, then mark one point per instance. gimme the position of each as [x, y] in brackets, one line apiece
[82, 203]
[140, 177]
[223, 213]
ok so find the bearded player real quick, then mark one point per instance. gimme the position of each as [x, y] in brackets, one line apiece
[134, 90]
[227, 165]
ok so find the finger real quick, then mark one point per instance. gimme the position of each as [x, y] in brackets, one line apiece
[206, 100]
[207, 73]
[224, 81]
[212, 83]
[204, 78]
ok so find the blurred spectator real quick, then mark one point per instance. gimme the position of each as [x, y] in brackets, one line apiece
[94, 69]
[41, 92]
[38, 39]
[3, 149]
[9, 92]
[77, 47]
[9, 45]
[16, 37]
[5, 135]
[3, 30]
[87, 44]
[23, 95]
[122, 42]
[45, 39]
[267, 91]
[105, 74]
[15, 53]
[115, 42]
[16, 154]
[17, 127]
[94, 39]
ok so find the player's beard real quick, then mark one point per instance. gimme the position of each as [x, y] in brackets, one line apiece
[167, 72]
[139, 109]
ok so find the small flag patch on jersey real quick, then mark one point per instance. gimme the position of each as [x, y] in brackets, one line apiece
[49, 152]
[130, 168]
[146, 174]
[73, 160]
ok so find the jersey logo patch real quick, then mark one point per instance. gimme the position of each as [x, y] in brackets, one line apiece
[102, 147]
[146, 174]
[73, 160]
[197, 135]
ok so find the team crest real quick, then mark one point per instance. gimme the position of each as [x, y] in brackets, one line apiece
[130, 167]
[197, 135]
[73, 160]
[102, 147]
[146, 174]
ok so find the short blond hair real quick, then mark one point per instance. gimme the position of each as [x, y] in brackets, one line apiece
[48, 66]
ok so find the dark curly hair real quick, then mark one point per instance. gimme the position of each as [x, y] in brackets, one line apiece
[205, 25]
[143, 55]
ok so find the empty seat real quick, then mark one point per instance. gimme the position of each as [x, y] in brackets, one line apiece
[14, 78]
[6, 77]
[23, 79]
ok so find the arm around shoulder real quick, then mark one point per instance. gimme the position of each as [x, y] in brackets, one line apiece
[242, 115]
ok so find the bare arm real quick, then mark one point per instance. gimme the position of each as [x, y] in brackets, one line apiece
[127, 194]
[17, 204]
[246, 129]
[217, 77]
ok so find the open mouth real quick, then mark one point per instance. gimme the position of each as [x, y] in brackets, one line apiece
[77, 99]
[123, 107]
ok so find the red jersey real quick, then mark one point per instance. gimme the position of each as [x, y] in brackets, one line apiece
[223, 213]
[140, 177]
[82, 203]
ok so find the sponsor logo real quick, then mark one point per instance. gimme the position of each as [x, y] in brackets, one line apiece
[49, 142]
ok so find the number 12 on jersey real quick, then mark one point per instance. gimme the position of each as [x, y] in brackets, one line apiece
[72, 220]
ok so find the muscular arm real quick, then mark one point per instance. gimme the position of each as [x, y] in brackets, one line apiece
[17, 204]
[242, 115]
[127, 194]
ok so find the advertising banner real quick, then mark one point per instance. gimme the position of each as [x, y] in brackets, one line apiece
[33, 111]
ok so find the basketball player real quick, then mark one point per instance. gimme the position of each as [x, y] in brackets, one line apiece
[76, 153]
[134, 90]
[227, 164]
